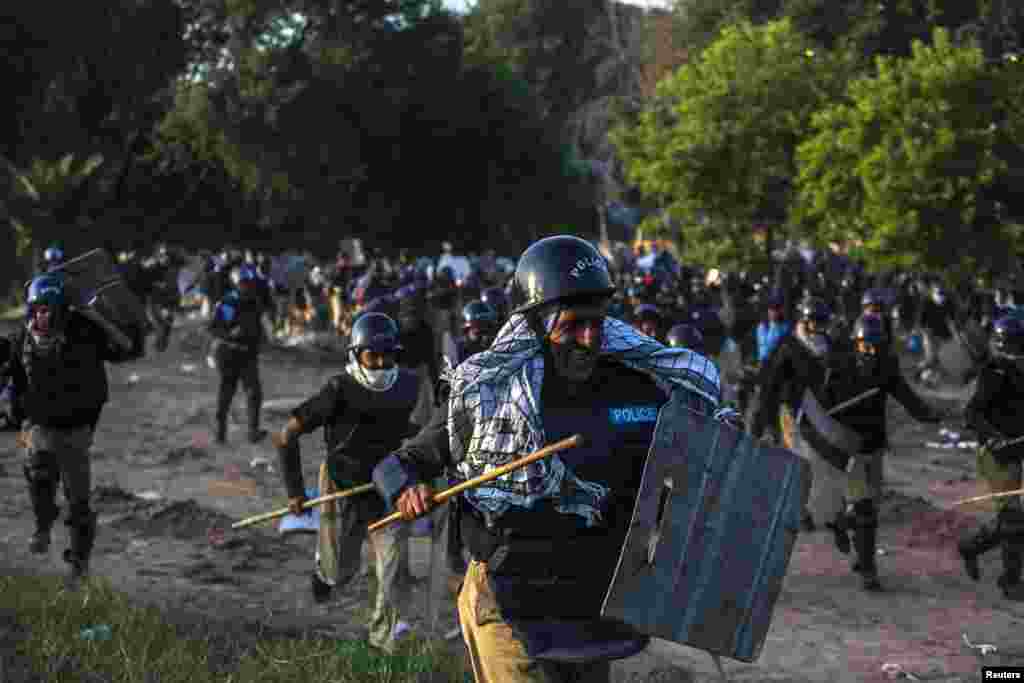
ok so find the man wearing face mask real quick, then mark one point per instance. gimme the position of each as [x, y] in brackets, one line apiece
[995, 413]
[365, 414]
[57, 367]
[872, 366]
[545, 539]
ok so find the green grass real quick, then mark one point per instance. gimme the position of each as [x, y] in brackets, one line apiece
[41, 622]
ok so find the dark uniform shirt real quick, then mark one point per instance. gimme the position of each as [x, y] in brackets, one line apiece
[996, 409]
[548, 568]
[868, 417]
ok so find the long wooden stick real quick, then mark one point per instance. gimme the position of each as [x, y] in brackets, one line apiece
[365, 488]
[989, 496]
[443, 496]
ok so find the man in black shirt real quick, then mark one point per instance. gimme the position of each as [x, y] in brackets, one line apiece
[545, 539]
[872, 366]
[237, 326]
[995, 413]
[57, 365]
[365, 414]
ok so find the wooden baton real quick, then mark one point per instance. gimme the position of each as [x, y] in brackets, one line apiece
[989, 496]
[443, 496]
[266, 517]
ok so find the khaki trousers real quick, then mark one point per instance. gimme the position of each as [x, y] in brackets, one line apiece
[496, 654]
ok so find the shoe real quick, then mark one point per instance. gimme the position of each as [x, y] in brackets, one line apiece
[221, 432]
[870, 582]
[841, 537]
[321, 590]
[40, 543]
[79, 565]
[972, 548]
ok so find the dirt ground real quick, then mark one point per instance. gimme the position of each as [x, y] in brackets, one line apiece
[167, 496]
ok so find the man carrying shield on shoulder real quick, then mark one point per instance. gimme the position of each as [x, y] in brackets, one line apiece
[545, 539]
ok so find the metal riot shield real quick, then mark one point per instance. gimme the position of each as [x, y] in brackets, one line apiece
[710, 538]
[93, 281]
[836, 443]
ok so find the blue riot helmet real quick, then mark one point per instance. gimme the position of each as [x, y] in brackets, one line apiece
[47, 290]
[374, 332]
[480, 322]
[53, 256]
[1007, 339]
[497, 299]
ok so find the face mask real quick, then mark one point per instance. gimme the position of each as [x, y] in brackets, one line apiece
[374, 380]
[380, 380]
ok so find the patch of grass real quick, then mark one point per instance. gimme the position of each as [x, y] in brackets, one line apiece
[145, 646]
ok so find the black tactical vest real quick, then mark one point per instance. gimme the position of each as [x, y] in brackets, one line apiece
[368, 426]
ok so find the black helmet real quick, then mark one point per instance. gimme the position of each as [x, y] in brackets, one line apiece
[376, 332]
[815, 310]
[647, 312]
[480, 313]
[872, 297]
[53, 256]
[775, 299]
[870, 328]
[560, 267]
[686, 336]
[1008, 337]
[47, 290]
[497, 299]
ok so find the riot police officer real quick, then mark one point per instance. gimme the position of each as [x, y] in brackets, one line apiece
[797, 364]
[496, 298]
[872, 366]
[238, 328]
[529, 607]
[995, 413]
[649, 320]
[160, 275]
[365, 414]
[53, 257]
[685, 336]
[57, 365]
[479, 327]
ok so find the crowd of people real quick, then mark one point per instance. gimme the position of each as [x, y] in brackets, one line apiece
[453, 365]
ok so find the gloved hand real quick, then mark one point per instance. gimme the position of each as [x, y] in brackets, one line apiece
[295, 506]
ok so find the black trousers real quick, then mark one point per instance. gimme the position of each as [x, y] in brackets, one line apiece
[244, 368]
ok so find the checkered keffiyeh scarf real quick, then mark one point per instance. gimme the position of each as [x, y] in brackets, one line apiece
[494, 414]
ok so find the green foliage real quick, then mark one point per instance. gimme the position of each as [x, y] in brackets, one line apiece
[905, 161]
[718, 146]
[35, 194]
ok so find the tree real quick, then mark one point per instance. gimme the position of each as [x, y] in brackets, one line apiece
[366, 118]
[910, 161]
[717, 148]
[87, 83]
